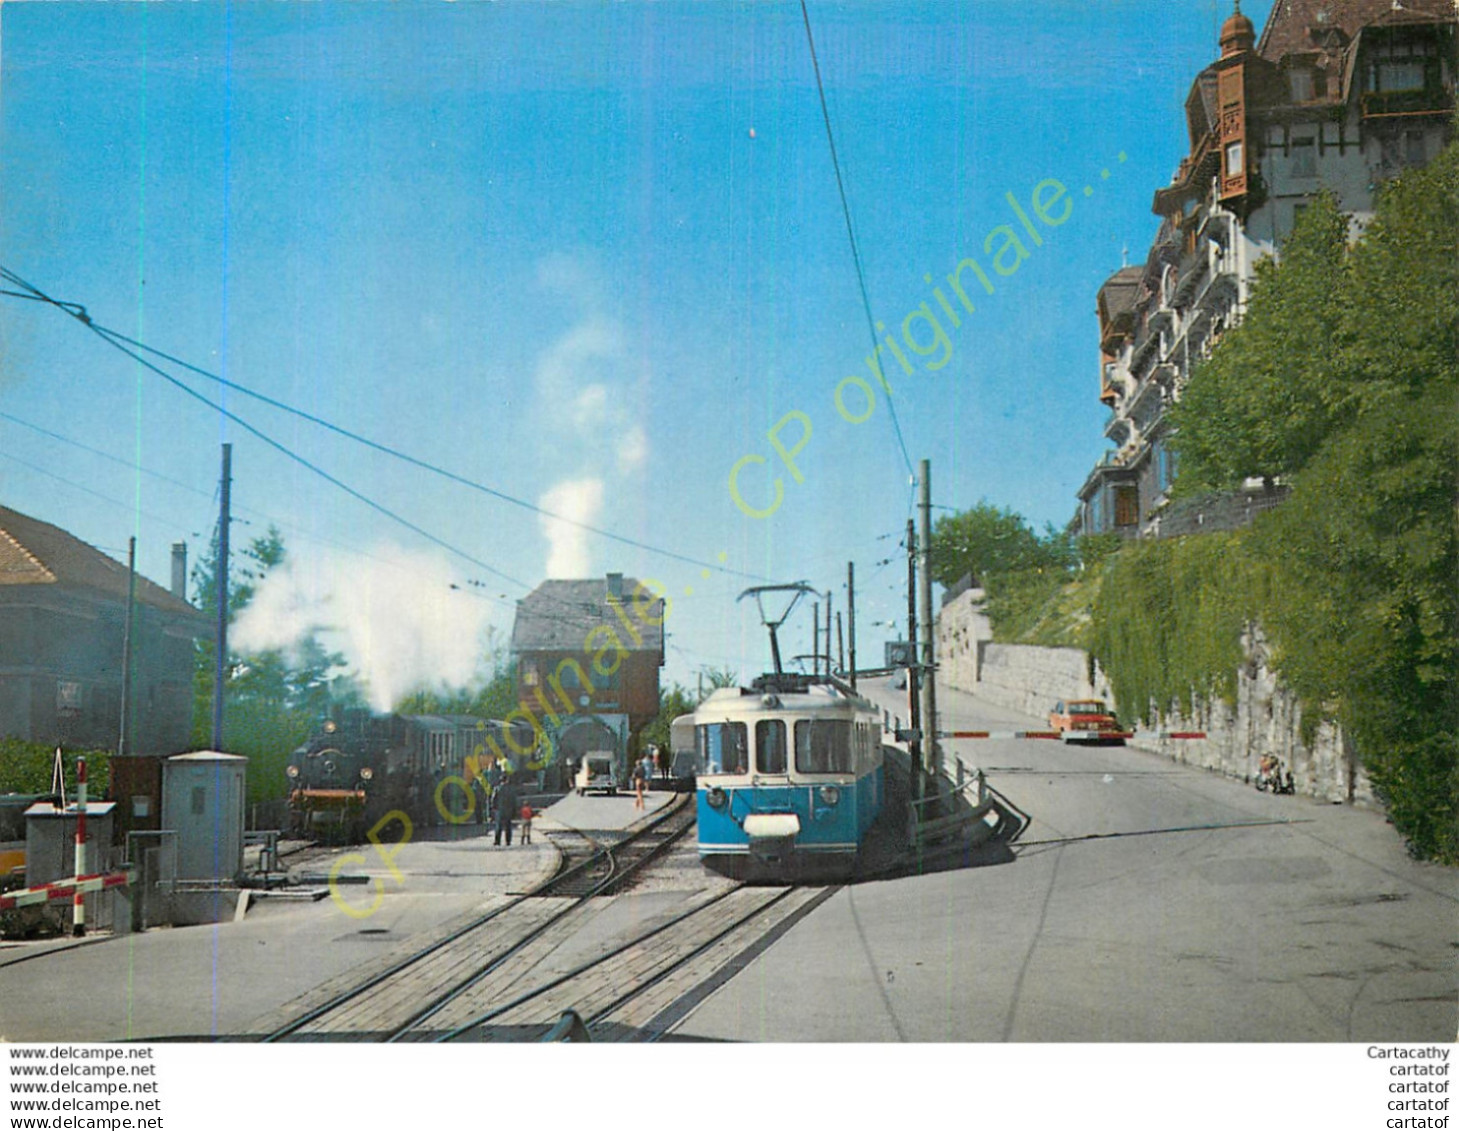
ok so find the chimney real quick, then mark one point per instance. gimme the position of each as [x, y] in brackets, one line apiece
[615, 587]
[179, 570]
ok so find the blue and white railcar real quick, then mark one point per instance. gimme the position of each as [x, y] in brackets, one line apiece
[790, 776]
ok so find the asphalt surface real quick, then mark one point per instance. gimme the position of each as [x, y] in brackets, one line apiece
[1147, 902]
[206, 981]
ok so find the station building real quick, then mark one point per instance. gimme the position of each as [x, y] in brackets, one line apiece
[586, 650]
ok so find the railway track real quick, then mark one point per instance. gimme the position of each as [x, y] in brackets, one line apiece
[607, 868]
[446, 985]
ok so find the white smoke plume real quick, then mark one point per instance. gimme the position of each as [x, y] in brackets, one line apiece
[400, 617]
[583, 388]
[580, 500]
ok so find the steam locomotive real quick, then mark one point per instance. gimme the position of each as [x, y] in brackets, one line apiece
[359, 767]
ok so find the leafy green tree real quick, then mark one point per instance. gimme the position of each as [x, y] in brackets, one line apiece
[1345, 379]
[492, 698]
[25, 767]
[984, 540]
[271, 700]
[673, 702]
[717, 678]
[1366, 619]
[1264, 400]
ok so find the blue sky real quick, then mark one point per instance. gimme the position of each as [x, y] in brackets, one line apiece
[584, 254]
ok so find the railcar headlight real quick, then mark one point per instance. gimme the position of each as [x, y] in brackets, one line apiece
[830, 794]
[292, 771]
[366, 774]
[716, 798]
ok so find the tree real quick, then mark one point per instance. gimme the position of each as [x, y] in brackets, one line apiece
[1262, 403]
[492, 698]
[717, 678]
[1366, 616]
[987, 540]
[673, 702]
[1345, 379]
[271, 700]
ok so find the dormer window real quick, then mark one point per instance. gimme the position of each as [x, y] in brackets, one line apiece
[1301, 84]
[1401, 66]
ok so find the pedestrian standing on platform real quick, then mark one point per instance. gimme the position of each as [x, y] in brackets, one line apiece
[482, 794]
[506, 809]
[639, 784]
[527, 815]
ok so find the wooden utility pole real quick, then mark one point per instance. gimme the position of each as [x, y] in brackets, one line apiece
[914, 706]
[929, 644]
[220, 583]
[828, 634]
[124, 737]
[851, 617]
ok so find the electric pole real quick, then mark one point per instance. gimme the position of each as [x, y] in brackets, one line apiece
[124, 738]
[220, 581]
[851, 617]
[914, 707]
[930, 747]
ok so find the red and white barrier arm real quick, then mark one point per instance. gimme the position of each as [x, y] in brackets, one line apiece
[64, 889]
[997, 734]
[1071, 734]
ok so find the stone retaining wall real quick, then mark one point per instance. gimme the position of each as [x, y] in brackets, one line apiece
[1265, 718]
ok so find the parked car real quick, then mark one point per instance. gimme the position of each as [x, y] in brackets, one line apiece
[1085, 720]
[596, 775]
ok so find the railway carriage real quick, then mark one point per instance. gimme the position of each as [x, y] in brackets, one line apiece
[361, 766]
[790, 776]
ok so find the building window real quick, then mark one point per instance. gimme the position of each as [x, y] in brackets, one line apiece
[1127, 506]
[1415, 152]
[1165, 466]
[1398, 74]
[1304, 158]
[1301, 84]
[529, 674]
[1234, 167]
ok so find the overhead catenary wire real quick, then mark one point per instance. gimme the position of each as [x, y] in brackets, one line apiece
[121, 341]
[281, 448]
[851, 232]
[212, 495]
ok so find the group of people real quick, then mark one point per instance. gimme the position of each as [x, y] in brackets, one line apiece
[643, 774]
[500, 804]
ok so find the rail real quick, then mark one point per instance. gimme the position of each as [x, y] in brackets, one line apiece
[461, 986]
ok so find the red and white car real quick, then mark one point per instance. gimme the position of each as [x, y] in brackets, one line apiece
[1085, 720]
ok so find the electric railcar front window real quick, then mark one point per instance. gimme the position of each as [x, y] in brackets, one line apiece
[770, 752]
[823, 746]
[723, 748]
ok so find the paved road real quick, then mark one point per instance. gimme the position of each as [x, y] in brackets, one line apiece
[1148, 902]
